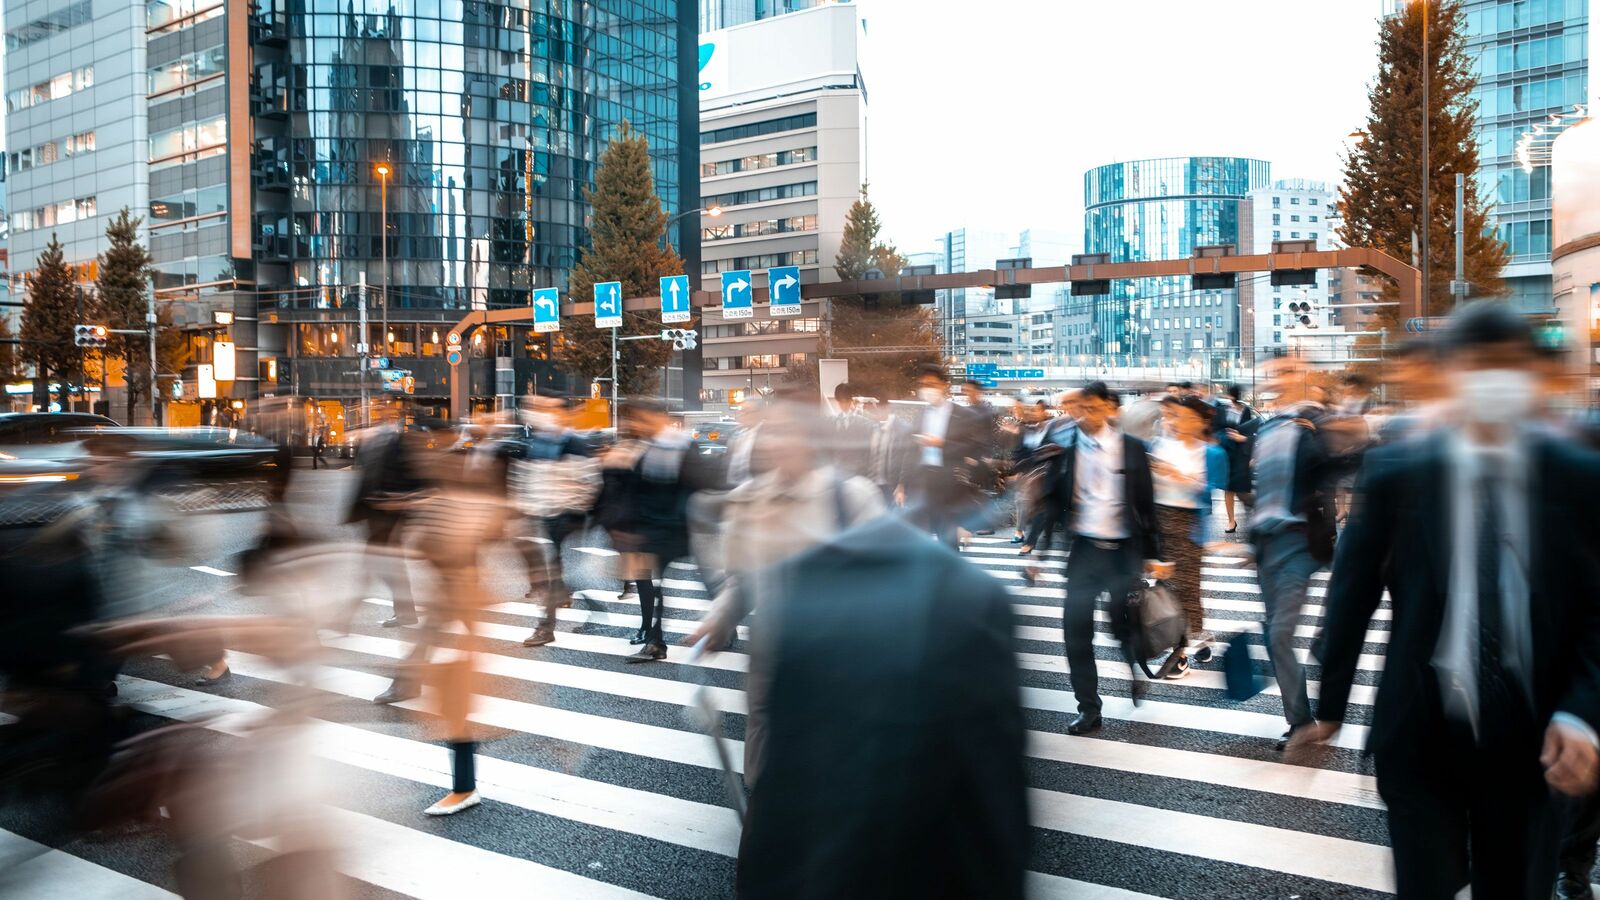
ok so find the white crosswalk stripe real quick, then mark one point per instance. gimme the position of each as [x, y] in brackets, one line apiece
[1186, 780]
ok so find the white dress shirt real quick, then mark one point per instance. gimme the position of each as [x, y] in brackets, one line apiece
[1097, 486]
[935, 422]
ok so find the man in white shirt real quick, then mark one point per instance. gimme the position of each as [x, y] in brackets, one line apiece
[948, 448]
[1108, 497]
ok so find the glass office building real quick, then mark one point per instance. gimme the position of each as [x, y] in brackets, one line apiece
[1163, 209]
[490, 118]
[1532, 60]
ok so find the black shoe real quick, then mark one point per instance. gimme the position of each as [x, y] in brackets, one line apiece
[1138, 689]
[1203, 655]
[398, 692]
[398, 621]
[540, 637]
[1083, 723]
[1569, 887]
[638, 638]
[649, 653]
[1282, 744]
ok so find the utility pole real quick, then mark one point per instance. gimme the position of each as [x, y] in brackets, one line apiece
[1427, 164]
[614, 393]
[150, 326]
[361, 343]
[1459, 287]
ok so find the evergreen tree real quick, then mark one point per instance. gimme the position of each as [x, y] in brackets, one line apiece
[1382, 192]
[883, 340]
[10, 358]
[124, 274]
[626, 228]
[48, 318]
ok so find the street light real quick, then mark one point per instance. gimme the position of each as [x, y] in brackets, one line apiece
[383, 177]
[711, 211]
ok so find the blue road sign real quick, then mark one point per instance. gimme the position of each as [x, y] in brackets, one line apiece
[783, 290]
[546, 310]
[608, 304]
[1013, 373]
[675, 298]
[453, 356]
[980, 369]
[736, 295]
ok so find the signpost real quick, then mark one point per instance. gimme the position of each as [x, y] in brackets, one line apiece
[452, 352]
[675, 299]
[783, 290]
[546, 310]
[736, 295]
[608, 304]
[1423, 324]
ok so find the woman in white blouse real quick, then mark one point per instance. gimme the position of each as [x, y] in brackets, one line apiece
[1186, 466]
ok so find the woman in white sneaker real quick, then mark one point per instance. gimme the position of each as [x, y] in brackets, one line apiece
[1186, 466]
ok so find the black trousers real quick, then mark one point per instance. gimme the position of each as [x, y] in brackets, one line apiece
[546, 574]
[1095, 568]
[1583, 832]
[937, 502]
[1461, 813]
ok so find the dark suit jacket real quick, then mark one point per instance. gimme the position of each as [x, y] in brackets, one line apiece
[1139, 492]
[968, 436]
[1315, 477]
[1399, 539]
[895, 757]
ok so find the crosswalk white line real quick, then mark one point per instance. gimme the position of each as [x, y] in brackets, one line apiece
[1222, 721]
[1301, 853]
[208, 570]
[1040, 886]
[31, 871]
[660, 817]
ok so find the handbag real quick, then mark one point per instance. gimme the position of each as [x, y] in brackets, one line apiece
[1157, 623]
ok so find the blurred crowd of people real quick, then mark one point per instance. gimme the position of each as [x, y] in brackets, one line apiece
[884, 737]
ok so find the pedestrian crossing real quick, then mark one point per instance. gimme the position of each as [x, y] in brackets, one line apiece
[597, 782]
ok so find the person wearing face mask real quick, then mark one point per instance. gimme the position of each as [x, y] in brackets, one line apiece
[947, 457]
[553, 477]
[1484, 537]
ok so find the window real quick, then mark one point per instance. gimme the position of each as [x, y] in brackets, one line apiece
[1276, 219]
[187, 69]
[1294, 218]
[766, 260]
[1311, 218]
[1277, 337]
[1277, 202]
[1277, 320]
[1313, 202]
[1312, 235]
[168, 15]
[760, 227]
[49, 152]
[63, 85]
[756, 129]
[49, 26]
[54, 214]
[1294, 234]
[198, 138]
[760, 161]
[1294, 201]
[1276, 235]
[763, 195]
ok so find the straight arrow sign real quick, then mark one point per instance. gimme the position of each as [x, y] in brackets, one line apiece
[608, 304]
[675, 299]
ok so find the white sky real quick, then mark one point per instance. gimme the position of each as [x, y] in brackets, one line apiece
[986, 113]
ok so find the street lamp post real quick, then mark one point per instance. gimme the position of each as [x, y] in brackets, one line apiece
[1427, 163]
[383, 177]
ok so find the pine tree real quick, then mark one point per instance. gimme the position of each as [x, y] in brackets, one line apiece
[861, 327]
[124, 274]
[10, 358]
[1382, 191]
[626, 228]
[48, 318]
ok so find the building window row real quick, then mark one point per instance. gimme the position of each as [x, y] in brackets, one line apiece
[169, 15]
[63, 85]
[759, 161]
[48, 152]
[49, 26]
[1187, 322]
[1529, 96]
[761, 227]
[763, 195]
[187, 69]
[755, 361]
[1492, 17]
[1532, 54]
[762, 326]
[764, 261]
[53, 214]
[189, 142]
[757, 129]
[188, 204]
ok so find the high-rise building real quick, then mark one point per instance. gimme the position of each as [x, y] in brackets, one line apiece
[1532, 60]
[718, 14]
[1164, 209]
[965, 314]
[782, 157]
[1294, 209]
[297, 162]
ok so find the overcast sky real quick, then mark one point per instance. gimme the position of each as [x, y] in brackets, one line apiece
[986, 113]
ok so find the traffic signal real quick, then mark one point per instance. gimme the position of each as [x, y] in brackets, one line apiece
[1302, 312]
[1294, 277]
[92, 336]
[681, 338]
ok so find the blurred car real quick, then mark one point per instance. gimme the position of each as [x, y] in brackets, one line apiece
[714, 436]
[46, 435]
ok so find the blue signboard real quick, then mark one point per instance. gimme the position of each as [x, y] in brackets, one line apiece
[979, 369]
[783, 290]
[736, 295]
[608, 304]
[675, 298]
[1013, 373]
[546, 310]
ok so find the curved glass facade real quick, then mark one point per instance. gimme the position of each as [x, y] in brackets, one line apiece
[491, 117]
[1164, 209]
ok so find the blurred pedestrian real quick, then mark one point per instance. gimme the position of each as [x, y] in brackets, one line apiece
[850, 437]
[945, 489]
[891, 449]
[1234, 425]
[1185, 467]
[1483, 536]
[387, 485]
[1107, 500]
[319, 443]
[553, 478]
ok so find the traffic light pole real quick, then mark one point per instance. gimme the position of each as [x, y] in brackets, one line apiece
[150, 326]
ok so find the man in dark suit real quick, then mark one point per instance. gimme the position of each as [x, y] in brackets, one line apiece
[944, 490]
[1107, 500]
[1484, 535]
[890, 772]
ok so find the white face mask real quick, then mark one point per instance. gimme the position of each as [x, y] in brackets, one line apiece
[930, 395]
[1495, 396]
